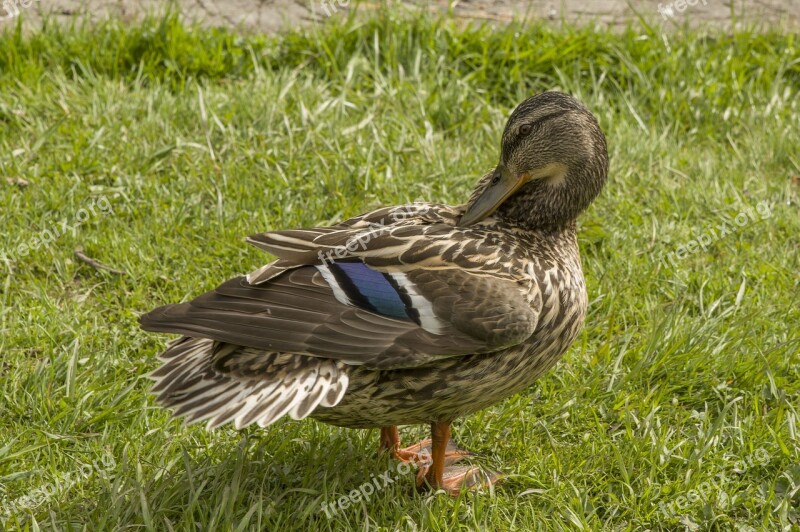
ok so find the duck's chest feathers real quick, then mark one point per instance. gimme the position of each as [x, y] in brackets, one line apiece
[562, 289]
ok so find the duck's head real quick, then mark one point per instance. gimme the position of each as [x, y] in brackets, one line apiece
[553, 164]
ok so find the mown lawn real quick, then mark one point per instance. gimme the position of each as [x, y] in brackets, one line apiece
[156, 148]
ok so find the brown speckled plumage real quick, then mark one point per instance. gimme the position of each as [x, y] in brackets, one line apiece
[419, 313]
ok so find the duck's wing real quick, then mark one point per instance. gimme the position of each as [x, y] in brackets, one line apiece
[402, 296]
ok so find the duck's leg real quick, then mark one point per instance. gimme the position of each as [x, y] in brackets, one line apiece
[390, 439]
[419, 453]
[442, 475]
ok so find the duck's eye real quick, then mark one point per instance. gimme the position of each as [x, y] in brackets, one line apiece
[524, 129]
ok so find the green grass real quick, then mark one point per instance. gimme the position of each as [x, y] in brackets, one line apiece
[186, 140]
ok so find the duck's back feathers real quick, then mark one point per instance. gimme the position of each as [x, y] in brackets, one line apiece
[403, 295]
[376, 237]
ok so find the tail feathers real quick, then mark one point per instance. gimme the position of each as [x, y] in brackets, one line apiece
[203, 380]
[336, 391]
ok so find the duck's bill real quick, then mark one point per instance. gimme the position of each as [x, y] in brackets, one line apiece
[502, 185]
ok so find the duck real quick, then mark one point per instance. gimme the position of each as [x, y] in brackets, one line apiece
[415, 314]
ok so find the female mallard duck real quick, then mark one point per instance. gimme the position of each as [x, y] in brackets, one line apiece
[420, 313]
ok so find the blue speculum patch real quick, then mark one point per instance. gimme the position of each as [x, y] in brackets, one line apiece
[370, 288]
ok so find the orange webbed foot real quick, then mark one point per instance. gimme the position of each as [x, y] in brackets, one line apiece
[436, 463]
